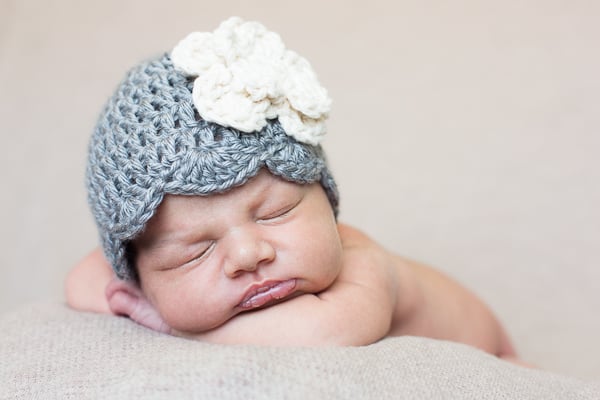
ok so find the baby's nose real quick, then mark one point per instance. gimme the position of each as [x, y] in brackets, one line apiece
[247, 250]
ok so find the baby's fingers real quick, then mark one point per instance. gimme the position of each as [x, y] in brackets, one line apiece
[124, 298]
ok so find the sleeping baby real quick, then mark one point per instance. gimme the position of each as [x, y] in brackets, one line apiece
[217, 212]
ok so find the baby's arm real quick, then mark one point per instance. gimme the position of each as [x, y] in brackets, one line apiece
[92, 286]
[86, 283]
[356, 310]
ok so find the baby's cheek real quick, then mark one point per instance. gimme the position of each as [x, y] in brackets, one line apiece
[192, 313]
[177, 311]
[171, 304]
[173, 314]
[326, 262]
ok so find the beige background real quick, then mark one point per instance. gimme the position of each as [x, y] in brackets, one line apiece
[464, 134]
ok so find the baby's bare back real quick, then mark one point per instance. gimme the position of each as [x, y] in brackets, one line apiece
[425, 302]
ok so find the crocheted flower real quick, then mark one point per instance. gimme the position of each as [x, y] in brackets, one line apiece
[245, 76]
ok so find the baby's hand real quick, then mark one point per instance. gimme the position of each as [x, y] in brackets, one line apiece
[92, 286]
[125, 298]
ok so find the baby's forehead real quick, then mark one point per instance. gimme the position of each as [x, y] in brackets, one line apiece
[264, 187]
[264, 181]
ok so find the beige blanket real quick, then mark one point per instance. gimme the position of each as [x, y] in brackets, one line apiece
[50, 352]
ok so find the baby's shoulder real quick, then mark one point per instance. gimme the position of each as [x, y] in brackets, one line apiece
[361, 253]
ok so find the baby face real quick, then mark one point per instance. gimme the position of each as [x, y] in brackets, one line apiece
[204, 259]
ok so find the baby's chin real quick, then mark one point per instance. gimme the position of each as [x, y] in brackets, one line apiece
[198, 332]
[199, 327]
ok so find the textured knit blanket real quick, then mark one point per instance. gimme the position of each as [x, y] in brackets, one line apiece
[50, 352]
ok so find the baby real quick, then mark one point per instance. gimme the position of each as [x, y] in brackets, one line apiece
[218, 213]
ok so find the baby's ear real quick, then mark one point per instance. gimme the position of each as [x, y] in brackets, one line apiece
[126, 298]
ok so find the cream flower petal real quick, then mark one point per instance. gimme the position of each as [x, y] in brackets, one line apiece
[242, 113]
[193, 54]
[305, 129]
[304, 92]
[245, 77]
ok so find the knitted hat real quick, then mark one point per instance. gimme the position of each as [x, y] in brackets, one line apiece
[200, 121]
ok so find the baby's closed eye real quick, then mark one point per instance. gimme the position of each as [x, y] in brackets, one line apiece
[176, 257]
[278, 213]
[273, 211]
[200, 253]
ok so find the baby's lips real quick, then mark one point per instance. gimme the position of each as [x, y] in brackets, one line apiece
[261, 294]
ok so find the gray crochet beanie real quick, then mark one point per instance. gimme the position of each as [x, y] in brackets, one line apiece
[150, 141]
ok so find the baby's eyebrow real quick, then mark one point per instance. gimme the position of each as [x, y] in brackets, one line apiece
[155, 242]
[160, 240]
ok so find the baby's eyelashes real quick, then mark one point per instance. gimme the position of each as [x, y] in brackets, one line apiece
[200, 255]
[279, 213]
